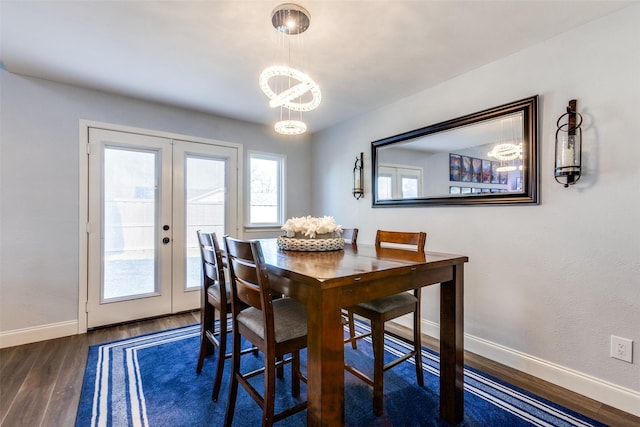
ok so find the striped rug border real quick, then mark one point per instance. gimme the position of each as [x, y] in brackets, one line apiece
[127, 385]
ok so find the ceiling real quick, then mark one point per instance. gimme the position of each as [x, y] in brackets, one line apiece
[207, 55]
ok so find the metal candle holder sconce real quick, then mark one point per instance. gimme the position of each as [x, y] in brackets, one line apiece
[358, 190]
[569, 147]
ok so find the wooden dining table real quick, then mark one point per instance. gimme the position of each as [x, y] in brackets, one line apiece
[328, 281]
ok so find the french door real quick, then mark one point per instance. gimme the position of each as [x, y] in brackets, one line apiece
[147, 197]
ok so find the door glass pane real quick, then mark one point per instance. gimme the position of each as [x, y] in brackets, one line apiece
[129, 232]
[205, 196]
[384, 187]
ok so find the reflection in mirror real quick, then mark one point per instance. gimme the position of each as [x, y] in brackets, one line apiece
[486, 157]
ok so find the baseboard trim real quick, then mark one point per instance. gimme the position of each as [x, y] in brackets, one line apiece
[38, 333]
[622, 398]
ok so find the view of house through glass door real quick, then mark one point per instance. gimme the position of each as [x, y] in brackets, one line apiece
[148, 196]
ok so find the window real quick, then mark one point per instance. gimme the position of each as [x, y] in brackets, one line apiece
[409, 187]
[398, 182]
[266, 192]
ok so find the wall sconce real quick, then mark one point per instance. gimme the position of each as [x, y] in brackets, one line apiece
[569, 147]
[358, 191]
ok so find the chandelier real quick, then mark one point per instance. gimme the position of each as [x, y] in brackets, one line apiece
[508, 152]
[289, 89]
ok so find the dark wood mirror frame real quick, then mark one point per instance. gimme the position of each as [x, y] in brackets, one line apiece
[527, 190]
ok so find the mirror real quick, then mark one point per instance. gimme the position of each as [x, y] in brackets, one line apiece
[489, 157]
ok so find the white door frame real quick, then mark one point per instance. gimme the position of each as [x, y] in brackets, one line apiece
[83, 196]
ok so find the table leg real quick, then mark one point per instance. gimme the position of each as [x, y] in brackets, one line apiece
[452, 347]
[325, 355]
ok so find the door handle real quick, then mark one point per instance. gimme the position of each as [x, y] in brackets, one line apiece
[166, 240]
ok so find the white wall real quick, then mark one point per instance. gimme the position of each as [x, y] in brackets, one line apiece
[546, 285]
[39, 179]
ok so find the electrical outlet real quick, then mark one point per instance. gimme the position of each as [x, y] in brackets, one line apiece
[622, 348]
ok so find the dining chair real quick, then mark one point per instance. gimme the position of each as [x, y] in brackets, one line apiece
[380, 310]
[215, 297]
[276, 326]
[350, 235]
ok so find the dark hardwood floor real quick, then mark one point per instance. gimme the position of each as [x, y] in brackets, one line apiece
[40, 383]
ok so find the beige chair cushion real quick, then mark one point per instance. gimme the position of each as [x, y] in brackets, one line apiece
[214, 292]
[289, 318]
[390, 303]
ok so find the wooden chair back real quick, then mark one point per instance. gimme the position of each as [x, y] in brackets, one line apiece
[212, 263]
[249, 279]
[401, 240]
[350, 235]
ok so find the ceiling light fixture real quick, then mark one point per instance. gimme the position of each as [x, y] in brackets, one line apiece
[290, 127]
[287, 87]
[506, 151]
[509, 154]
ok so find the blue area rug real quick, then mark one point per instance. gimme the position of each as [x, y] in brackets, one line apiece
[151, 381]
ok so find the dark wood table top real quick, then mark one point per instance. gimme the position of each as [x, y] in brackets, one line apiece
[332, 268]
